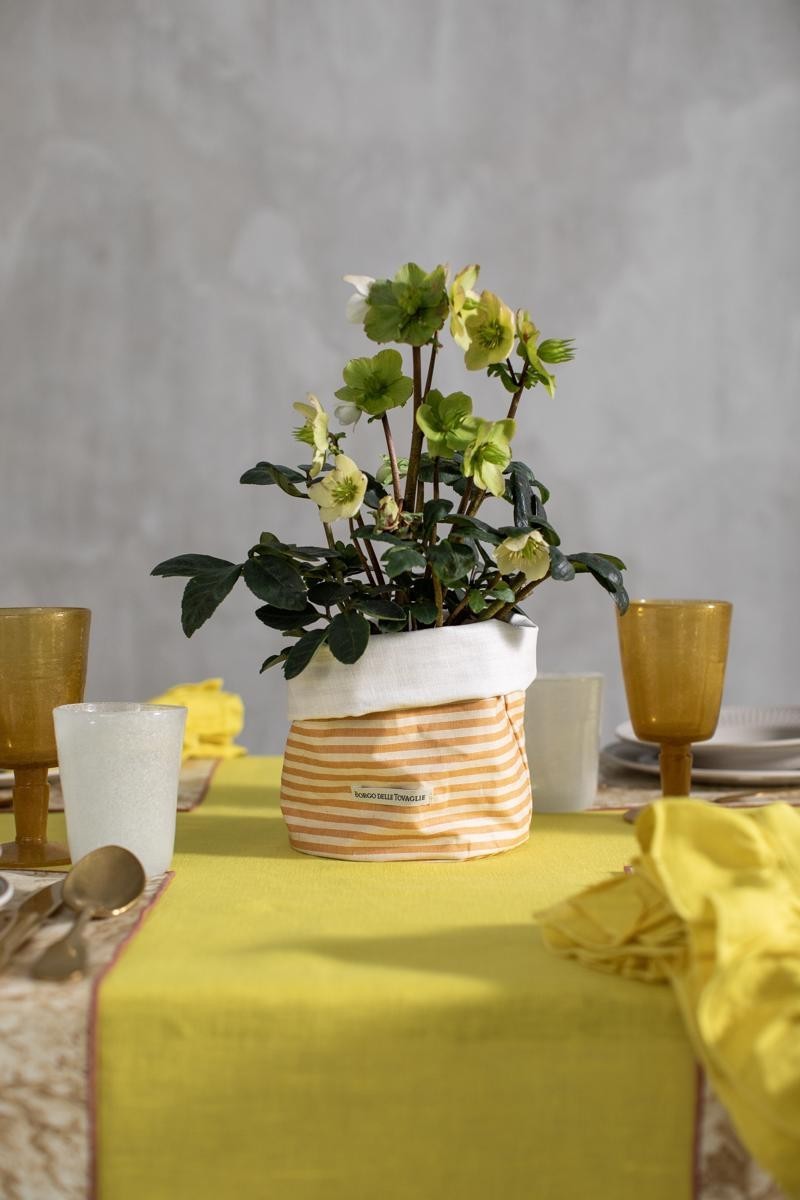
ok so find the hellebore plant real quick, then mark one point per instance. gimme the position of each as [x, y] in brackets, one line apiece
[411, 558]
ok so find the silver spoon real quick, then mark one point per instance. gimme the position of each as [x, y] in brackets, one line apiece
[104, 883]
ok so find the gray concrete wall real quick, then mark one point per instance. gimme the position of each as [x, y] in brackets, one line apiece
[182, 184]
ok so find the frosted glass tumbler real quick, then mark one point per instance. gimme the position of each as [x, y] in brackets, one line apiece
[120, 765]
[562, 740]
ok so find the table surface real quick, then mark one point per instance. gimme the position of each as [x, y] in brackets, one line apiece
[294, 1027]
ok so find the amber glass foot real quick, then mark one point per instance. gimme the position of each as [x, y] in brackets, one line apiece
[33, 855]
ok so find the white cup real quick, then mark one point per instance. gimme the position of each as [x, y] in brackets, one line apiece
[119, 765]
[562, 740]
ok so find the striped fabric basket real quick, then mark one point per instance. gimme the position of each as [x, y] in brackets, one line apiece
[383, 762]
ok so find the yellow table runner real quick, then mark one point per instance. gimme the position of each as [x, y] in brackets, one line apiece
[292, 1028]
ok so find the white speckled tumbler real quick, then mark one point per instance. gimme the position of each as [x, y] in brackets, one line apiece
[120, 765]
[562, 736]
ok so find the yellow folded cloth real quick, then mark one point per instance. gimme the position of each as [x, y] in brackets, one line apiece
[713, 905]
[213, 720]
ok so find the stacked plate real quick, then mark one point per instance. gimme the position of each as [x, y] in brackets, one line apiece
[758, 746]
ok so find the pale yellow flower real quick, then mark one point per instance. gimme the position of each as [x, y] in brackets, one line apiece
[526, 552]
[341, 492]
[314, 432]
[462, 300]
[490, 330]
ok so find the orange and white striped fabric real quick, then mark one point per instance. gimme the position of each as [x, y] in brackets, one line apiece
[445, 782]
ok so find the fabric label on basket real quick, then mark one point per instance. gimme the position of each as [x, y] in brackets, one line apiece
[397, 794]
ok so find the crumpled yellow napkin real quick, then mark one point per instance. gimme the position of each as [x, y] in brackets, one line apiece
[213, 719]
[713, 906]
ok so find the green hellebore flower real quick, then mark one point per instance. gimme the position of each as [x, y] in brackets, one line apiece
[489, 454]
[315, 431]
[341, 492]
[447, 422]
[384, 471]
[376, 384]
[462, 300]
[526, 552]
[529, 350]
[410, 308]
[389, 516]
[490, 329]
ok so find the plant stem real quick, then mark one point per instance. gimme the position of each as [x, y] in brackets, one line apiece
[521, 595]
[465, 499]
[431, 364]
[416, 435]
[462, 604]
[392, 458]
[360, 552]
[372, 555]
[515, 399]
[476, 503]
[329, 535]
[502, 608]
[437, 595]
[436, 478]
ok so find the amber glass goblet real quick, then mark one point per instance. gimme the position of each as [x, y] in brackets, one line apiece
[43, 653]
[673, 656]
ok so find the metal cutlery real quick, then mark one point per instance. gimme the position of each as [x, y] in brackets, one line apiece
[28, 917]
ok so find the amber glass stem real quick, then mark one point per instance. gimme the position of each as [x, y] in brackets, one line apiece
[31, 798]
[675, 761]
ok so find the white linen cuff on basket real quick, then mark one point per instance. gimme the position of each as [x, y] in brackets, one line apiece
[408, 670]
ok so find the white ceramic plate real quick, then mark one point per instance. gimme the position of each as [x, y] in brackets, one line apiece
[6, 891]
[643, 757]
[747, 739]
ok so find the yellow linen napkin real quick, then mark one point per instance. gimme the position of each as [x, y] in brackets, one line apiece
[713, 906]
[213, 720]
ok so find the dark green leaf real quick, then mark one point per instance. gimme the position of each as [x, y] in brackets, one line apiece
[599, 566]
[522, 470]
[476, 601]
[268, 543]
[272, 661]
[605, 572]
[520, 479]
[451, 561]
[311, 551]
[286, 618]
[401, 558]
[450, 469]
[328, 593]
[348, 634]
[377, 606]
[612, 558]
[203, 594]
[479, 529]
[424, 611]
[368, 533]
[434, 510]
[303, 651]
[285, 477]
[190, 564]
[561, 568]
[545, 528]
[501, 371]
[501, 591]
[272, 578]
